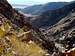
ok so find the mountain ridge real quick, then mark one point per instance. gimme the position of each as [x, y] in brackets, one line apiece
[51, 17]
[49, 6]
[20, 38]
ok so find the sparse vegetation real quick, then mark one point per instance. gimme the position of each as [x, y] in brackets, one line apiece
[11, 45]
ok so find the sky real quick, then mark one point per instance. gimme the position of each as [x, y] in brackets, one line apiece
[32, 2]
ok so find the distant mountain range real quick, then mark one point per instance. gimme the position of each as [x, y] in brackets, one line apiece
[19, 6]
[48, 14]
[38, 9]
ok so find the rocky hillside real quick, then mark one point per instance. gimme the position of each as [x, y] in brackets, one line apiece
[63, 34]
[59, 39]
[19, 38]
[16, 34]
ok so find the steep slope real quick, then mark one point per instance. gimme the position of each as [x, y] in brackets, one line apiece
[19, 38]
[59, 39]
[63, 34]
[16, 34]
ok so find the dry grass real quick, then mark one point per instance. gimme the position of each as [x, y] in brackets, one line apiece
[10, 45]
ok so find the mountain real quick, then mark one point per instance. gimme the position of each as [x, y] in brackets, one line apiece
[51, 13]
[60, 36]
[51, 17]
[16, 38]
[44, 7]
[63, 32]
[19, 38]
[32, 9]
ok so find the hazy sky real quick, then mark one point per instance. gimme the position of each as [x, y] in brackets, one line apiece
[34, 1]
